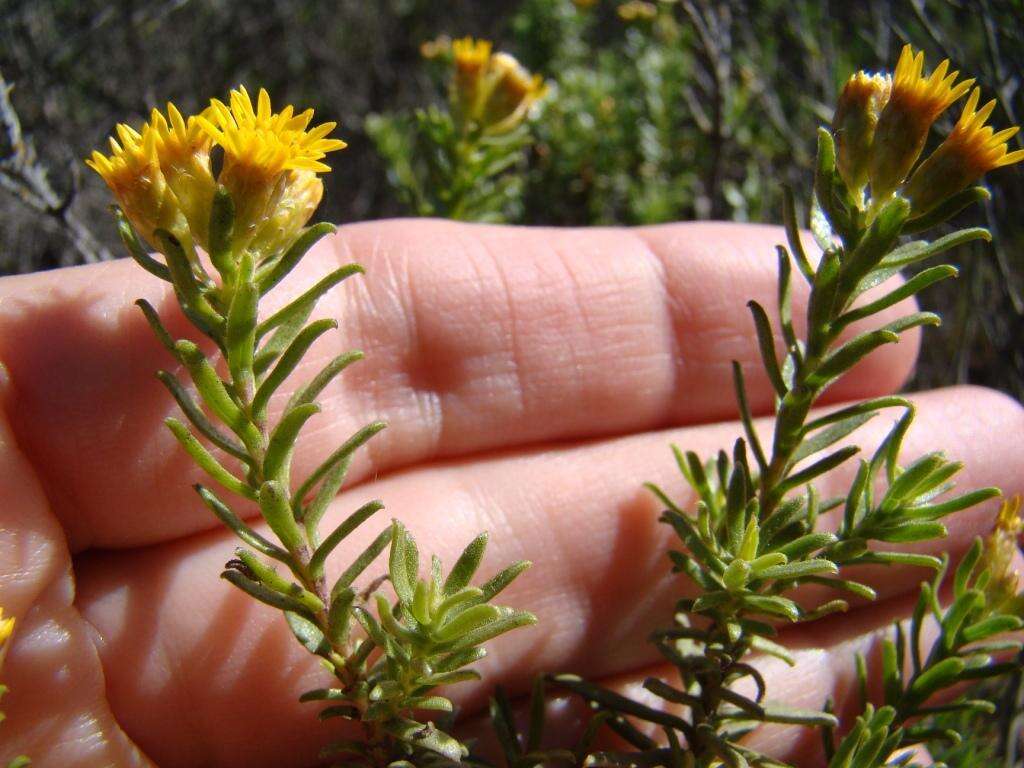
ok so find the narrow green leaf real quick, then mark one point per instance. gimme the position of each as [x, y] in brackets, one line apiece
[308, 634]
[892, 674]
[199, 420]
[956, 504]
[766, 342]
[137, 249]
[748, 422]
[161, 333]
[849, 354]
[240, 329]
[935, 678]
[403, 566]
[830, 435]
[772, 605]
[272, 274]
[806, 544]
[509, 621]
[211, 390]
[947, 209]
[853, 587]
[502, 579]
[279, 516]
[310, 391]
[793, 234]
[465, 566]
[287, 363]
[798, 569]
[353, 521]
[262, 593]
[910, 288]
[362, 562]
[243, 531]
[785, 299]
[311, 514]
[206, 460]
[341, 454]
[190, 296]
[303, 304]
[281, 446]
[818, 468]
[425, 737]
[990, 627]
[781, 713]
[339, 616]
[468, 621]
[920, 250]
[222, 226]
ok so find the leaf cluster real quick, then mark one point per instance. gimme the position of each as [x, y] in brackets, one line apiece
[967, 649]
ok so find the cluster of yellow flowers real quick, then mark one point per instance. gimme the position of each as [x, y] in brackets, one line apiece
[162, 177]
[881, 125]
[492, 91]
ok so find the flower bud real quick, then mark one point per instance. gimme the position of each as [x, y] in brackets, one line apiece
[970, 151]
[999, 549]
[133, 173]
[853, 125]
[914, 103]
[512, 92]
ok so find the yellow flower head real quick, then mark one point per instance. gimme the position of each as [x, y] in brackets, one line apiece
[264, 153]
[471, 55]
[914, 103]
[511, 93]
[971, 150]
[854, 123]
[134, 175]
[261, 143]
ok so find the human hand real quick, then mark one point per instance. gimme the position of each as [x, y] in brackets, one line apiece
[532, 379]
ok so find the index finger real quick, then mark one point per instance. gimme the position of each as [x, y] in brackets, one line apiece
[479, 338]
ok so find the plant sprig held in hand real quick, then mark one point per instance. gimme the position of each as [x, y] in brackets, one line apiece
[753, 536]
[387, 655]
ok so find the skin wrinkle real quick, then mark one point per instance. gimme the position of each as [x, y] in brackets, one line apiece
[510, 371]
[669, 303]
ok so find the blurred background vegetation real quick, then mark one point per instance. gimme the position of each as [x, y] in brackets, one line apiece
[659, 111]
